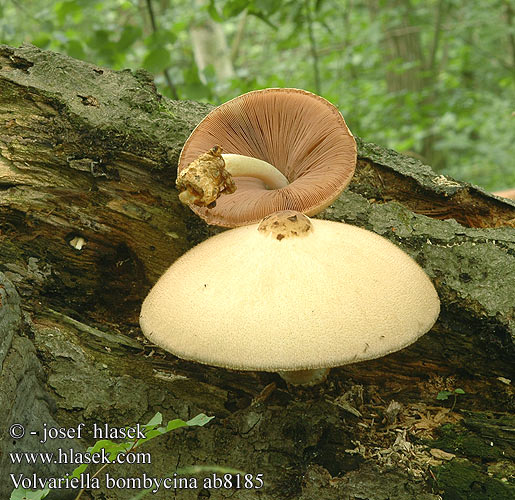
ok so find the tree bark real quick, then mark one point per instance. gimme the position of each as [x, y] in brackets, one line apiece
[89, 219]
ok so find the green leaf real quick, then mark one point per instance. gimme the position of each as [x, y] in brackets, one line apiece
[42, 41]
[79, 470]
[75, 49]
[232, 8]
[160, 38]
[211, 9]
[23, 494]
[443, 395]
[65, 9]
[192, 88]
[157, 419]
[151, 433]
[263, 18]
[129, 36]
[318, 4]
[175, 424]
[267, 6]
[459, 391]
[201, 419]
[107, 445]
[157, 60]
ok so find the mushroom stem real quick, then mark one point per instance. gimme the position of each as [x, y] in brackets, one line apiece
[305, 377]
[204, 179]
[246, 166]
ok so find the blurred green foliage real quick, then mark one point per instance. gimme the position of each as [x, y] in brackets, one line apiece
[434, 79]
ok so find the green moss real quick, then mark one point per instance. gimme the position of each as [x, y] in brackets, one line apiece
[454, 439]
[461, 480]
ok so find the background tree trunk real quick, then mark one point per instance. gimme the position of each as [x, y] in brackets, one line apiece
[411, 70]
[89, 219]
[210, 46]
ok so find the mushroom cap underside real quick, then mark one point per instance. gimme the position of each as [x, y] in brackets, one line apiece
[301, 134]
[253, 300]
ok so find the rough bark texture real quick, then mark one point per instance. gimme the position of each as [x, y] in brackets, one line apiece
[88, 154]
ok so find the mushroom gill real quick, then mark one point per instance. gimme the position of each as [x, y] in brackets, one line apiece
[299, 133]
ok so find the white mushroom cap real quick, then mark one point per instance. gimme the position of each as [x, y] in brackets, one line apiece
[290, 294]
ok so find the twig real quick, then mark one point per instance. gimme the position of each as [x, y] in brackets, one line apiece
[511, 36]
[236, 44]
[166, 72]
[313, 46]
[436, 36]
[133, 447]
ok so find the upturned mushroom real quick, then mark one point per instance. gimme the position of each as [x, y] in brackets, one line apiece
[290, 295]
[271, 150]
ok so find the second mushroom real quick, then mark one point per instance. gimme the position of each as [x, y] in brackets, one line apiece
[271, 150]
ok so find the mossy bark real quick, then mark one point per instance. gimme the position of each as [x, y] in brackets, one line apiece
[89, 218]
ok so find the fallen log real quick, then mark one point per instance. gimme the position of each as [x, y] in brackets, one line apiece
[90, 218]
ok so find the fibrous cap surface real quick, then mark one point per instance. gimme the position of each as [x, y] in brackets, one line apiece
[331, 295]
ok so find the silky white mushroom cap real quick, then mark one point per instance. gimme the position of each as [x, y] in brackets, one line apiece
[312, 295]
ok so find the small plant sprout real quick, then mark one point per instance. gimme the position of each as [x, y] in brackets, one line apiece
[444, 396]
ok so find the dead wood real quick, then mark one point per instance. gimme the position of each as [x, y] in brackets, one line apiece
[89, 219]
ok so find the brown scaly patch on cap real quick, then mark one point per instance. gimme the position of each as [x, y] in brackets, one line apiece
[285, 224]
